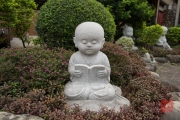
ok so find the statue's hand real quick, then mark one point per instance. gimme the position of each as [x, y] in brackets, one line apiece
[77, 73]
[102, 73]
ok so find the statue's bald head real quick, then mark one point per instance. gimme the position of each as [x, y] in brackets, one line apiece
[89, 31]
[165, 29]
[87, 28]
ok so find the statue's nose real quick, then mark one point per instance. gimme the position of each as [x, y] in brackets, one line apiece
[89, 44]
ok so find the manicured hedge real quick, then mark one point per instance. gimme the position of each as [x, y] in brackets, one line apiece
[57, 20]
[173, 36]
[150, 35]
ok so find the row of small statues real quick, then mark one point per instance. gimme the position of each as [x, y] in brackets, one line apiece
[162, 41]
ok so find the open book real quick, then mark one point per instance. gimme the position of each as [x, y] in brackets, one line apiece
[89, 74]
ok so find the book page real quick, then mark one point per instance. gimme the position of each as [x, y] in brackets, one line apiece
[90, 74]
[84, 70]
[93, 76]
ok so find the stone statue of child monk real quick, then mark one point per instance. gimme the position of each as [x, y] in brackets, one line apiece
[162, 41]
[128, 32]
[89, 70]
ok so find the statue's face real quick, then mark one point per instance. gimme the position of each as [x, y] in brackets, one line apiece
[128, 32]
[89, 42]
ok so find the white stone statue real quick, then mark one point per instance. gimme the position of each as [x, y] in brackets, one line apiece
[162, 41]
[128, 32]
[89, 70]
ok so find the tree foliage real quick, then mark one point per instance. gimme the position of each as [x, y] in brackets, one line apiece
[133, 12]
[173, 36]
[8, 13]
[17, 15]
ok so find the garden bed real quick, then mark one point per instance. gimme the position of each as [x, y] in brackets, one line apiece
[32, 81]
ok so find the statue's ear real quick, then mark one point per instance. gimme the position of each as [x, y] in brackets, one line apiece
[103, 41]
[74, 39]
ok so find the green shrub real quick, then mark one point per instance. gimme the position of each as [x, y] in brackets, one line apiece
[22, 70]
[126, 42]
[138, 31]
[38, 41]
[57, 20]
[150, 35]
[173, 35]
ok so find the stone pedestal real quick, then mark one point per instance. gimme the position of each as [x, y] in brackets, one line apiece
[119, 102]
[89, 68]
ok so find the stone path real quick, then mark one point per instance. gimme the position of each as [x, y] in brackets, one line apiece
[169, 74]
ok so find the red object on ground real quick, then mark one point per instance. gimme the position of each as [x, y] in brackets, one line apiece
[166, 106]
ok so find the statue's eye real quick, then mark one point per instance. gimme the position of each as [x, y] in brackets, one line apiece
[94, 42]
[84, 41]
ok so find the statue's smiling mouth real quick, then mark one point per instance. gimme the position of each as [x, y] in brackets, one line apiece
[88, 49]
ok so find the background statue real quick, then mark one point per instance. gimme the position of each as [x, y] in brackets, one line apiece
[162, 41]
[89, 70]
[127, 40]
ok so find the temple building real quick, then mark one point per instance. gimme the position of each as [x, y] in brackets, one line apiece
[167, 12]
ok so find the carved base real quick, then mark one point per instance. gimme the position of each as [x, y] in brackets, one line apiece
[95, 105]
